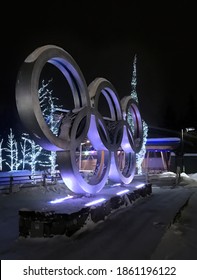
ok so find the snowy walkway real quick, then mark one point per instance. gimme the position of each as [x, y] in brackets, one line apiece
[160, 226]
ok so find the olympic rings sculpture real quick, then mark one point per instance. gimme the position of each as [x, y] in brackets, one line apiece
[112, 138]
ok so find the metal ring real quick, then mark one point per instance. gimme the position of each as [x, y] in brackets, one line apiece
[114, 141]
[27, 100]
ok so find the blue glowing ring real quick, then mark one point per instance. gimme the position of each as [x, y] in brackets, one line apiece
[123, 160]
[68, 166]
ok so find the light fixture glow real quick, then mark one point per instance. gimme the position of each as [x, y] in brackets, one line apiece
[95, 202]
[122, 192]
[59, 200]
[116, 185]
[139, 186]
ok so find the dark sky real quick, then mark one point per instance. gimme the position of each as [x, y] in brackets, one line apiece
[103, 39]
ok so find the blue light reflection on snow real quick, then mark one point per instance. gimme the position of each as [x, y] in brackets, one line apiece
[59, 200]
[139, 186]
[95, 202]
[116, 185]
[122, 192]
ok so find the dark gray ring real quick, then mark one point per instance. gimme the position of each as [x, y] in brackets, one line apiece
[27, 100]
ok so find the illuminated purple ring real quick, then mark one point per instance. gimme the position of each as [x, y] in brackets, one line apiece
[121, 134]
[67, 161]
[102, 86]
[130, 105]
[126, 173]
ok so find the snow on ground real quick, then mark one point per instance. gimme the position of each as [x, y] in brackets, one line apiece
[160, 226]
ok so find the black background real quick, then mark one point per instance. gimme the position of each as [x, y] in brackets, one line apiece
[103, 38]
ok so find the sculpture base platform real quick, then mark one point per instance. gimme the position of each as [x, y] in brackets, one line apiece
[59, 220]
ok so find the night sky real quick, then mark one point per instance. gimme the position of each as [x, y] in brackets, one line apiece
[103, 39]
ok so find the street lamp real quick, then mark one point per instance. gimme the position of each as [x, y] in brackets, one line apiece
[182, 151]
[187, 129]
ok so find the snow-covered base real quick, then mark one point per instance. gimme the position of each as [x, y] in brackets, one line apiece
[59, 220]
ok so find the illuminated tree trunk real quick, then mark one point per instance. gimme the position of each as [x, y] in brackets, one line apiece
[12, 149]
[48, 107]
[1, 158]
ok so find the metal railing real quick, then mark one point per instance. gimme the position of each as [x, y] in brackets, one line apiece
[7, 182]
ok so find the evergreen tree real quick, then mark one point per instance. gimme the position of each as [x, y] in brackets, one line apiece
[141, 154]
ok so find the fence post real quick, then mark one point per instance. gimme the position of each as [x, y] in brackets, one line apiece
[11, 184]
[44, 179]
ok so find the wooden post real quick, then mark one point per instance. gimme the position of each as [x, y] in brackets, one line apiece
[44, 179]
[11, 184]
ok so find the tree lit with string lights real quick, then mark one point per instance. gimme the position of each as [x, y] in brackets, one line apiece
[141, 154]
